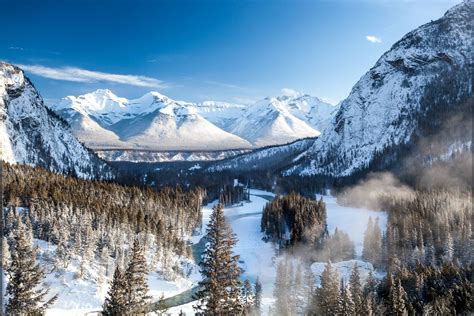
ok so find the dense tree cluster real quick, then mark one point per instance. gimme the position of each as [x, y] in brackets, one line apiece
[78, 213]
[335, 247]
[128, 292]
[431, 227]
[293, 218]
[233, 194]
[423, 290]
[26, 293]
[94, 224]
[293, 289]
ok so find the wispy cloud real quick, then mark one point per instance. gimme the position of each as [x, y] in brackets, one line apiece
[15, 48]
[83, 75]
[226, 85]
[373, 39]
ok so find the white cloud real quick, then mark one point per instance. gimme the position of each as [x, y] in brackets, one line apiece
[373, 39]
[83, 75]
[290, 92]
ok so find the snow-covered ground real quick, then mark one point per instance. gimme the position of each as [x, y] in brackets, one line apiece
[351, 220]
[257, 258]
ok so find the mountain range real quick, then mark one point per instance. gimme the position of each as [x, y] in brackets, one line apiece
[409, 96]
[103, 120]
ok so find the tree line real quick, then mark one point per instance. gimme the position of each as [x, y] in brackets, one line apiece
[292, 218]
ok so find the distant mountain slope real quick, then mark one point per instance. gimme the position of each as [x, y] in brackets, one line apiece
[155, 122]
[32, 134]
[412, 88]
[270, 122]
[312, 110]
[264, 158]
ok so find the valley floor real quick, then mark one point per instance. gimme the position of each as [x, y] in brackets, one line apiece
[257, 258]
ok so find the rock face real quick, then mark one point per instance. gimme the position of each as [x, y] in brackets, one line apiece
[424, 76]
[32, 134]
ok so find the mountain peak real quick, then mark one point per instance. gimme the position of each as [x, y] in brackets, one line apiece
[30, 134]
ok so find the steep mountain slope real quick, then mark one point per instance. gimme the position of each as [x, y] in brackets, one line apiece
[32, 134]
[418, 83]
[270, 122]
[312, 110]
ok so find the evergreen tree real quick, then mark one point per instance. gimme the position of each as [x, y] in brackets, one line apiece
[220, 287]
[346, 305]
[136, 278]
[372, 243]
[299, 291]
[356, 291]
[396, 298]
[6, 256]
[25, 278]
[327, 296]
[248, 297]
[258, 297]
[308, 283]
[281, 290]
[162, 307]
[116, 300]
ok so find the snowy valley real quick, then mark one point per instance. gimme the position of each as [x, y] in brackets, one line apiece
[283, 206]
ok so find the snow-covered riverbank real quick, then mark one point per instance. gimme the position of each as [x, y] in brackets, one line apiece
[258, 257]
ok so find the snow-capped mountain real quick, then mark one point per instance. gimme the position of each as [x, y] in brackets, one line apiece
[268, 120]
[417, 83]
[103, 120]
[285, 118]
[153, 122]
[312, 110]
[221, 114]
[31, 134]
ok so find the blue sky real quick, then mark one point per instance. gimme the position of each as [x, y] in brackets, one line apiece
[235, 51]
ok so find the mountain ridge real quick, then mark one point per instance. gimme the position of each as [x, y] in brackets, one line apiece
[156, 122]
[30, 133]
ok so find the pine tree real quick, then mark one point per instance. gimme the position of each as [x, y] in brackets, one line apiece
[220, 287]
[162, 306]
[25, 278]
[308, 283]
[248, 297]
[367, 250]
[281, 290]
[299, 291]
[396, 298]
[356, 290]
[6, 256]
[327, 296]
[346, 305]
[372, 243]
[116, 300]
[258, 297]
[136, 278]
